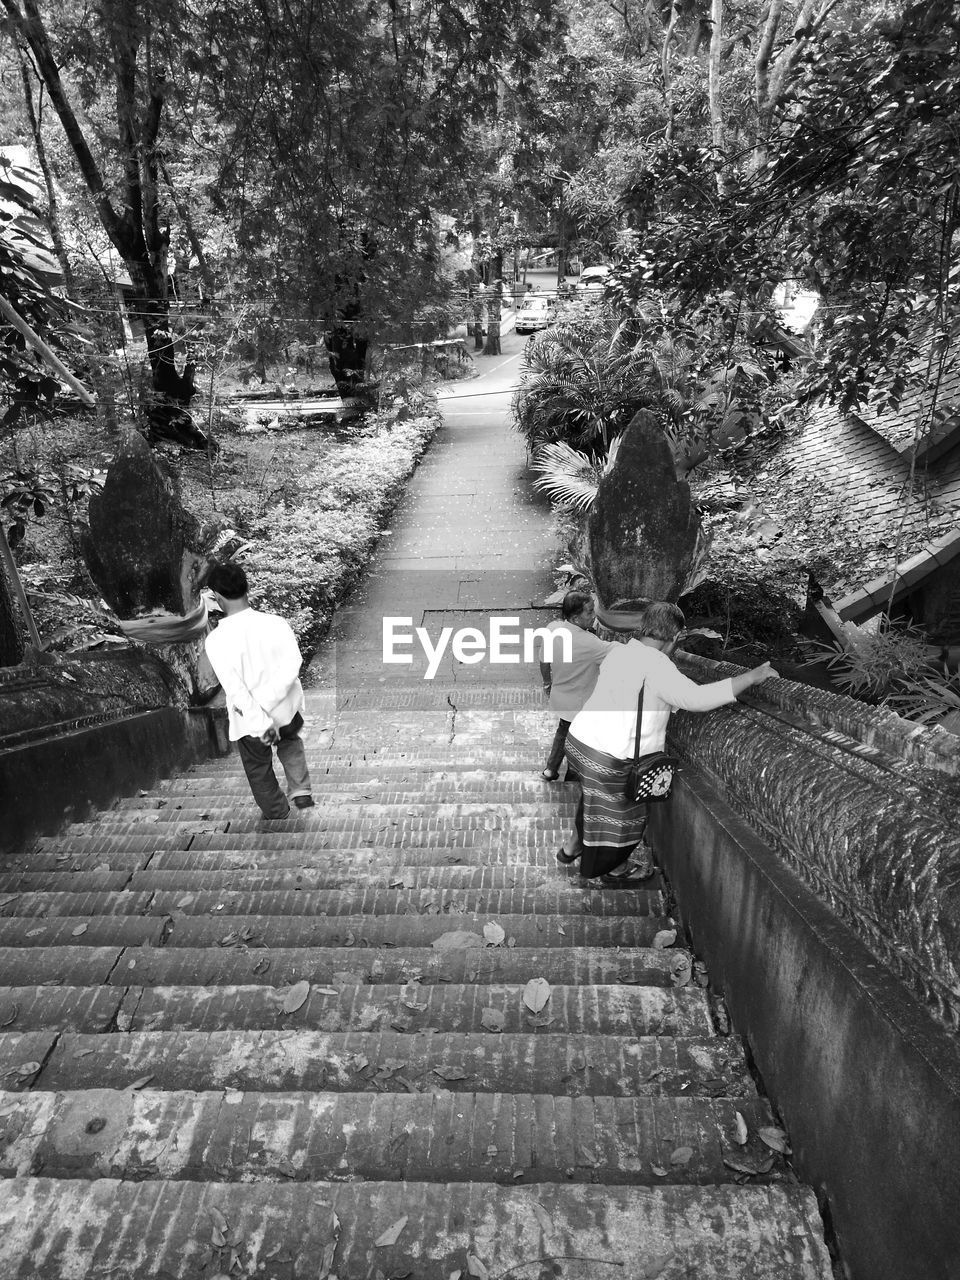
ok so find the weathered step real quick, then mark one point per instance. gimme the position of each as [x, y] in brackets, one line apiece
[453, 1007]
[334, 807]
[347, 822]
[68, 931]
[547, 932]
[384, 787]
[307, 874]
[57, 905]
[224, 966]
[284, 1060]
[78, 1230]
[17, 882]
[494, 1137]
[452, 879]
[59, 966]
[68, 1008]
[558, 898]
[212, 850]
[375, 899]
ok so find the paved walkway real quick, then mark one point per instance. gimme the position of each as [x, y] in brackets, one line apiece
[388, 1038]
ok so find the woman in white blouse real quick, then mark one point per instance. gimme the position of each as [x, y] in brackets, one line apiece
[600, 743]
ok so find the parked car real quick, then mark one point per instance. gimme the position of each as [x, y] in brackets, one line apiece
[536, 311]
[592, 280]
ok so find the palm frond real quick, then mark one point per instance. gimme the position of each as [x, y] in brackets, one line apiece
[568, 477]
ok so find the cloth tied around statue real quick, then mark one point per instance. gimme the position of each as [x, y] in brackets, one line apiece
[163, 627]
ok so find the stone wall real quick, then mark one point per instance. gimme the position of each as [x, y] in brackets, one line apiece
[861, 805]
[78, 732]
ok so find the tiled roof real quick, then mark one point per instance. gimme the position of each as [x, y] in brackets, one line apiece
[899, 427]
[838, 488]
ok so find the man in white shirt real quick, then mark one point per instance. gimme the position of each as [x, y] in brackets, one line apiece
[570, 684]
[257, 660]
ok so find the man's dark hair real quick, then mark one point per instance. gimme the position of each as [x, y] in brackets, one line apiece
[228, 580]
[574, 603]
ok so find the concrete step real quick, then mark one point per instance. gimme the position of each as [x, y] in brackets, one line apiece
[451, 879]
[345, 819]
[240, 965]
[372, 899]
[389, 787]
[71, 1230]
[598, 1010]
[281, 1060]
[457, 1008]
[495, 1137]
[336, 805]
[559, 931]
[69, 931]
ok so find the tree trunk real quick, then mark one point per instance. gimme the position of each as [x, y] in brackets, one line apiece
[347, 353]
[713, 92]
[494, 299]
[477, 304]
[11, 633]
[135, 232]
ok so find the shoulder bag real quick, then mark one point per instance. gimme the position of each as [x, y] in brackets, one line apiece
[650, 776]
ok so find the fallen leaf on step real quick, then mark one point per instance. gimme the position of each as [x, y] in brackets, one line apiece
[494, 934]
[741, 1134]
[658, 1170]
[11, 1017]
[775, 1139]
[536, 994]
[476, 1268]
[185, 900]
[392, 1234]
[139, 1084]
[26, 1069]
[655, 1266]
[329, 1249]
[664, 938]
[80, 929]
[492, 1020]
[682, 1155]
[296, 997]
[217, 1218]
[457, 940]
[449, 1073]
[747, 1164]
[546, 1224]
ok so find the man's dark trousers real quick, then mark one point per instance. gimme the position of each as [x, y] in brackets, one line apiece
[257, 760]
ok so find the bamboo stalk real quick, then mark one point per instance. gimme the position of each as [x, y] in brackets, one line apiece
[13, 577]
[45, 353]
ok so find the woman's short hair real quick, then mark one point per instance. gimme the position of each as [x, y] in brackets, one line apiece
[574, 603]
[228, 580]
[661, 620]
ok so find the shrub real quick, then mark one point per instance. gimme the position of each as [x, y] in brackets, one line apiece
[306, 558]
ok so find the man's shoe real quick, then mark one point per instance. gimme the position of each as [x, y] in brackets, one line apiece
[303, 802]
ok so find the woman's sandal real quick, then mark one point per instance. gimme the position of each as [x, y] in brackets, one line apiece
[566, 859]
[549, 775]
[634, 876]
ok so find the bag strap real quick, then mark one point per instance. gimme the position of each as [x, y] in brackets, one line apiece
[636, 740]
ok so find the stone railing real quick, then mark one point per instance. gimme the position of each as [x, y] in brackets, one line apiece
[862, 805]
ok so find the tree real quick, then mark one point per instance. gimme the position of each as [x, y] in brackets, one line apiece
[128, 46]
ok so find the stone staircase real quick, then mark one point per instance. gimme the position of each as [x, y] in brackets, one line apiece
[309, 1049]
